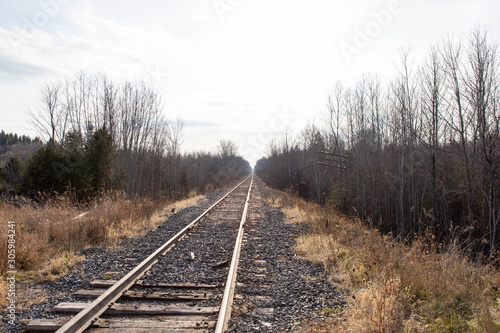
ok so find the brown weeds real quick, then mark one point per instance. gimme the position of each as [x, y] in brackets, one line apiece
[393, 287]
[58, 267]
[4, 289]
[379, 307]
[48, 238]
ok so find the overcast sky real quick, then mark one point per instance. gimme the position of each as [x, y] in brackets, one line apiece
[241, 70]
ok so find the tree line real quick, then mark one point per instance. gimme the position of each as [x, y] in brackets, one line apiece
[418, 155]
[9, 139]
[101, 136]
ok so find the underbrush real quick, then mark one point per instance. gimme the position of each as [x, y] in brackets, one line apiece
[48, 238]
[393, 287]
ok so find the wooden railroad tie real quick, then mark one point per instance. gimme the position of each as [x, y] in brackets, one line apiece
[174, 323]
[139, 310]
[133, 295]
[142, 284]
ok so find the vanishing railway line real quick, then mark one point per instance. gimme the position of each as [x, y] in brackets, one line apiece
[188, 283]
[224, 223]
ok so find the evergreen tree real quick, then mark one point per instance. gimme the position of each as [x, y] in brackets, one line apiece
[78, 177]
[46, 172]
[3, 138]
[12, 172]
[100, 156]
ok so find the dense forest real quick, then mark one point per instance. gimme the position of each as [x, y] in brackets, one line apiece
[10, 139]
[15, 151]
[100, 136]
[22, 146]
[418, 155]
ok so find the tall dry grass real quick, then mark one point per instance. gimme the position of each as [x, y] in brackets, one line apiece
[48, 238]
[59, 227]
[393, 287]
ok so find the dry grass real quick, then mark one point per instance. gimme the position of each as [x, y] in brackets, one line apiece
[48, 238]
[380, 307]
[3, 293]
[58, 228]
[58, 267]
[296, 210]
[392, 287]
[170, 209]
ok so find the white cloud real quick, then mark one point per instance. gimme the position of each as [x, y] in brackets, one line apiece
[234, 71]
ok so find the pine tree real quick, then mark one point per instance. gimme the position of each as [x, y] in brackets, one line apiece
[46, 172]
[12, 171]
[100, 156]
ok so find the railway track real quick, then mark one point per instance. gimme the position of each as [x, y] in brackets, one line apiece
[184, 285]
[275, 291]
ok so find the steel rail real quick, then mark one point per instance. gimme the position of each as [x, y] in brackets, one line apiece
[85, 317]
[227, 299]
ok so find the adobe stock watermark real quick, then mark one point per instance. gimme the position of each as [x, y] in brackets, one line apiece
[222, 7]
[279, 120]
[31, 24]
[155, 76]
[11, 272]
[372, 29]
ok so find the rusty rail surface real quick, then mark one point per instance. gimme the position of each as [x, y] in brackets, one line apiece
[227, 300]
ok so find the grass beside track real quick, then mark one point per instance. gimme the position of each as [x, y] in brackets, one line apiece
[48, 239]
[392, 287]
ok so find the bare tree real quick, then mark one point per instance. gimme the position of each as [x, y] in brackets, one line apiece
[482, 94]
[287, 143]
[227, 148]
[405, 107]
[431, 86]
[50, 120]
[174, 131]
[458, 116]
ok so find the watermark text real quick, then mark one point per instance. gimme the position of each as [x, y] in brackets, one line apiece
[12, 272]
